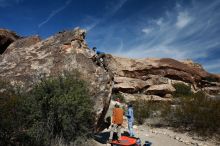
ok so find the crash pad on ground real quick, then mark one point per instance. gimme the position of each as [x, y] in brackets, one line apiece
[125, 141]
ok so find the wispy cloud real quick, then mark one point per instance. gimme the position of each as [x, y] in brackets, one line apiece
[111, 10]
[147, 30]
[183, 19]
[54, 12]
[184, 32]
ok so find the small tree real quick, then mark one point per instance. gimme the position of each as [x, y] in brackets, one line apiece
[56, 108]
[60, 107]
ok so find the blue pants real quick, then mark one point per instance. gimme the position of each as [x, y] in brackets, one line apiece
[130, 128]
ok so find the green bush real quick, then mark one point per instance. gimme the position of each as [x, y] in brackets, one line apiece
[194, 111]
[146, 109]
[60, 107]
[56, 108]
[12, 115]
[198, 113]
[182, 90]
[141, 111]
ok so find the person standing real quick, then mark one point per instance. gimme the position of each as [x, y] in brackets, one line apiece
[117, 121]
[130, 117]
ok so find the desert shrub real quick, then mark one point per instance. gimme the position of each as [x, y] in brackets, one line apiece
[147, 109]
[60, 107]
[198, 113]
[141, 111]
[12, 115]
[182, 90]
[56, 108]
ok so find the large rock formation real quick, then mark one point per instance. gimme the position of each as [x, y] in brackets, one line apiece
[152, 76]
[27, 60]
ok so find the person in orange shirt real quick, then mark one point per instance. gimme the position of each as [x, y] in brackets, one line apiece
[117, 120]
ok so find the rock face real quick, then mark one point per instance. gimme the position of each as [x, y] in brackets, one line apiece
[160, 90]
[156, 76]
[6, 38]
[27, 60]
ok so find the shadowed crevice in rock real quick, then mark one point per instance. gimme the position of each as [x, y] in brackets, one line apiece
[6, 38]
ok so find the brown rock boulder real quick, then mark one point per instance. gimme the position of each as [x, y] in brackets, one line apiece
[129, 85]
[160, 90]
[6, 38]
[27, 60]
[159, 71]
[134, 97]
[22, 43]
[166, 67]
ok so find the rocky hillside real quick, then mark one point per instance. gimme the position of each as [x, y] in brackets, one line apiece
[26, 60]
[152, 78]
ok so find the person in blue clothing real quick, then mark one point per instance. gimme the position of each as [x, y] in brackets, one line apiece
[99, 57]
[130, 117]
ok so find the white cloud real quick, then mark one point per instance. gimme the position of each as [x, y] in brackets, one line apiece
[159, 21]
[169, 40]
[147, 30]
[165, 34]
[117, 6]
[183, 19]
[54, 12]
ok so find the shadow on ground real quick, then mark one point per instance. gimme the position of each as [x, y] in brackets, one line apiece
[104, 136]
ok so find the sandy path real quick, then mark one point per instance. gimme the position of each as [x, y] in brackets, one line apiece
[160, 137]
[155, 138]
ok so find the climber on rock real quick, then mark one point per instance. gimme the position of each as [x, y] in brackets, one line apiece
[99, 57]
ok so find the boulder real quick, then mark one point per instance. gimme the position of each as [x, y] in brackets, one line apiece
[129, 85]
[160, 90]
[168, 96]
[136, 75]
[22, 43]
[212, 90]
[134, 97]
[165, 67]
[6, 38]
[29, 59]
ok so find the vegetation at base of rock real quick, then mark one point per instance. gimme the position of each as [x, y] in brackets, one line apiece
[193, 111]
[182, 90]
[146, 109]
[198, 113]
[57, 107]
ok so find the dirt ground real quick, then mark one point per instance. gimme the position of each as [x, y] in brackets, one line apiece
[158, 137]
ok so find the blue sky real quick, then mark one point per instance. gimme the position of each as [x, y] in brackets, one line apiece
[179, 29]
